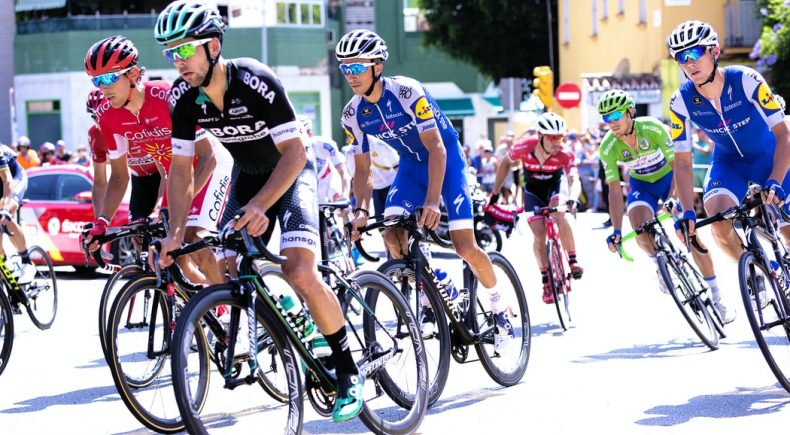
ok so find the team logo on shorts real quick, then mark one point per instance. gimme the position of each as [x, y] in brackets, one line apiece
[423, 109]
[349, 136]
[676, 126]
[766, 98]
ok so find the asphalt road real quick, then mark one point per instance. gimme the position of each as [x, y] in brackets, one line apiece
[630, 364]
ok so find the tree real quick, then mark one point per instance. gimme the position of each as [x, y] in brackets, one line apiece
[772, 50]
[502, 38]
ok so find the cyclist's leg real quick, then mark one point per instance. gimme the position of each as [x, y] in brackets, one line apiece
[642, 204]
[558, 197]
[404, 196]
[726, 186]
[16, 235]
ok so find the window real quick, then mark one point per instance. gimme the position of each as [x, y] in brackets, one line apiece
[621, 7]
[414, 17]
[69, 185]
[566, 22]
[642, 11]
[594, 17]
[300, 13]
[39, 188]
[604, 9]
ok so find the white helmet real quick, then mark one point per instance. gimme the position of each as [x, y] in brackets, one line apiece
[551, 123]
[691, 34]
[363, 44]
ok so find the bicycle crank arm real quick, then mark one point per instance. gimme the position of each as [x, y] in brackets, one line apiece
[231, 384]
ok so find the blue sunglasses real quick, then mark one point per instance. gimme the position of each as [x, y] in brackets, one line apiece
[614, 116]
[693, 53]
[355, 68]
[108, 79]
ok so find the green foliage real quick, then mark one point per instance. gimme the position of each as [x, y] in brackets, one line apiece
[772, 50]
[502, 38]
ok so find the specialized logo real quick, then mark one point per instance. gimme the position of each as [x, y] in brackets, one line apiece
[349, 136]
[676, 126]
[766, 98]
[458, 201]
[636, 194]
[392, 192]
[286, 218]
[422, 109]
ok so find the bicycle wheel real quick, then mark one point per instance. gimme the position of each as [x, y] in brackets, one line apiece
[437, 342]
[42, 292]
[560, 284]
[488, 239]
[6, 330]
[768, 312]
[686, 297]
[506, 363]
[111, 288]
[138, 348]
[271, 375]
[392, 357]
[246, 410]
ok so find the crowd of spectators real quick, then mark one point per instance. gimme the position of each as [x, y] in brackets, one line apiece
[49, 154]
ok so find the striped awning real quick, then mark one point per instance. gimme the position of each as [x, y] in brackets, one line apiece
[38, 5]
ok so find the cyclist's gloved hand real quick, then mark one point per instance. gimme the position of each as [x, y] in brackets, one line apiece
[773, 186]
[493, 199]
[93, 230]
[688, 217]
[5, 215]
[614, 240]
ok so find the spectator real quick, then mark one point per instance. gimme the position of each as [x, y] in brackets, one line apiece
[588, 170]
[505, 142]
[481, 146]
[81, 158]
[488, 169]
[27, 158]
[46, 153]
[61, 156]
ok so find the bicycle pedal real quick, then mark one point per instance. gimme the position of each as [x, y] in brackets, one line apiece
[16, 309]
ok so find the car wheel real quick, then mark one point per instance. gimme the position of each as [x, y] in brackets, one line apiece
[123, 251]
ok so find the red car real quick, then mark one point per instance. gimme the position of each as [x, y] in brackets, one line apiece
[58, 205]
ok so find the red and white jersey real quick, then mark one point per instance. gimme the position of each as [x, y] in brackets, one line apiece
[144, 138]
[553, 167]
[97, 144]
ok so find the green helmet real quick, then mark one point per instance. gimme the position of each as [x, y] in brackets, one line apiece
[614, 100]
[188, 18]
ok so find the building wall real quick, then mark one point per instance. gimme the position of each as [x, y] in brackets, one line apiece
[7, 30]
[622, 38]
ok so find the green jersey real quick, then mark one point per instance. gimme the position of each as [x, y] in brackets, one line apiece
[649, 162]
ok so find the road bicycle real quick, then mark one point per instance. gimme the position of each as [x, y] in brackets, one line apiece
[762, 275]
[685, 283]
[391, 359]
[559, 271]
[39, 297]
[471, 319]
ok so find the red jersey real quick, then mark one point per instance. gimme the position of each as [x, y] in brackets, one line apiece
[536, 172]
[97, 144]
[144, 138]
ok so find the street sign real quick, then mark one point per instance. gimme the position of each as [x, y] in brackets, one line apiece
[568, 95]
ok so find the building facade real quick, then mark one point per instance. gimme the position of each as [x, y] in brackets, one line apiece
[607, 44]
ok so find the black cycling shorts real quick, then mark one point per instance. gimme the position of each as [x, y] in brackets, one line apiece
[145, 192]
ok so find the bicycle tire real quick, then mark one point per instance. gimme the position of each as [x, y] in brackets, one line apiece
[774, 342]
[522, 343]
[410, 390]
[42, 292]
[560, 285]
[147, 396]
[488, 238]
[111, 289]
[688, 301]
[6, 330]
[437, 347]
[192, 315]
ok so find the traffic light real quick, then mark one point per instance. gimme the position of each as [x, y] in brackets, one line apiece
[543, 85]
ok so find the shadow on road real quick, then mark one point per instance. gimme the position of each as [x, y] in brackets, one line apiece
[76, 397]
[741, 403]
[674, 348]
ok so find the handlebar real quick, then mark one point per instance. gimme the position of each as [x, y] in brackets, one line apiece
[731, 213]
[408, 222]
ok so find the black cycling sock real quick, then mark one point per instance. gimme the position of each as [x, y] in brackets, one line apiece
[341, 354]
[571, 257]
[25, 257]
[544, 275]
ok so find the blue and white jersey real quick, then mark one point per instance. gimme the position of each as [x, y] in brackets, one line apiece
[742, 129]
[8, 159]
[404, 110]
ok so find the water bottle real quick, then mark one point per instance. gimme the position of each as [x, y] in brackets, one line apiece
[299, 317]
[446, 283]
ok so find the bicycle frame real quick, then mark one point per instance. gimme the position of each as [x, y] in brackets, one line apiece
[13, 288]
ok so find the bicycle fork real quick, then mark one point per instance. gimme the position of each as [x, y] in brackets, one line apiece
[249, 294]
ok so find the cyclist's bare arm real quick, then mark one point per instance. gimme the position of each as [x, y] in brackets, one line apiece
[782, 152]
[180, 186]
[362, 184]
[99, 189]
[502, 171]
[616, 204]
[683, 179]
[206, 162]
[116, 187]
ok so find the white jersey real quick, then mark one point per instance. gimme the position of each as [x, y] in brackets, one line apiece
[384, 162]
[327, 158]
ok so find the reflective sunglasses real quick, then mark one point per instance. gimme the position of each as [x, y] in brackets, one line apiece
[693, 53]
[355, 68]
[614, 116]
[108, 79]
[553, 137]
[183, 51]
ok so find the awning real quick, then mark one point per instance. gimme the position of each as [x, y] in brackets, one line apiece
[496, 102]
[38, 5]
[456, 107]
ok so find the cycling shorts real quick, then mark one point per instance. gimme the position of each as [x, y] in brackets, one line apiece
[296, 211]
[731, 177]
[208, 205]
[20, 183]
[643, 193]
[145, 192]
[410, 187]
[542, 195]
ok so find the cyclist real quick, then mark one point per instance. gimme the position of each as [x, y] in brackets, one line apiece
[244, 104]
[330, 165]
[135, 123]
[643, 146]
[399, 111]
[14, 184]
[551, 179]
[98, 149]
[735, 108]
